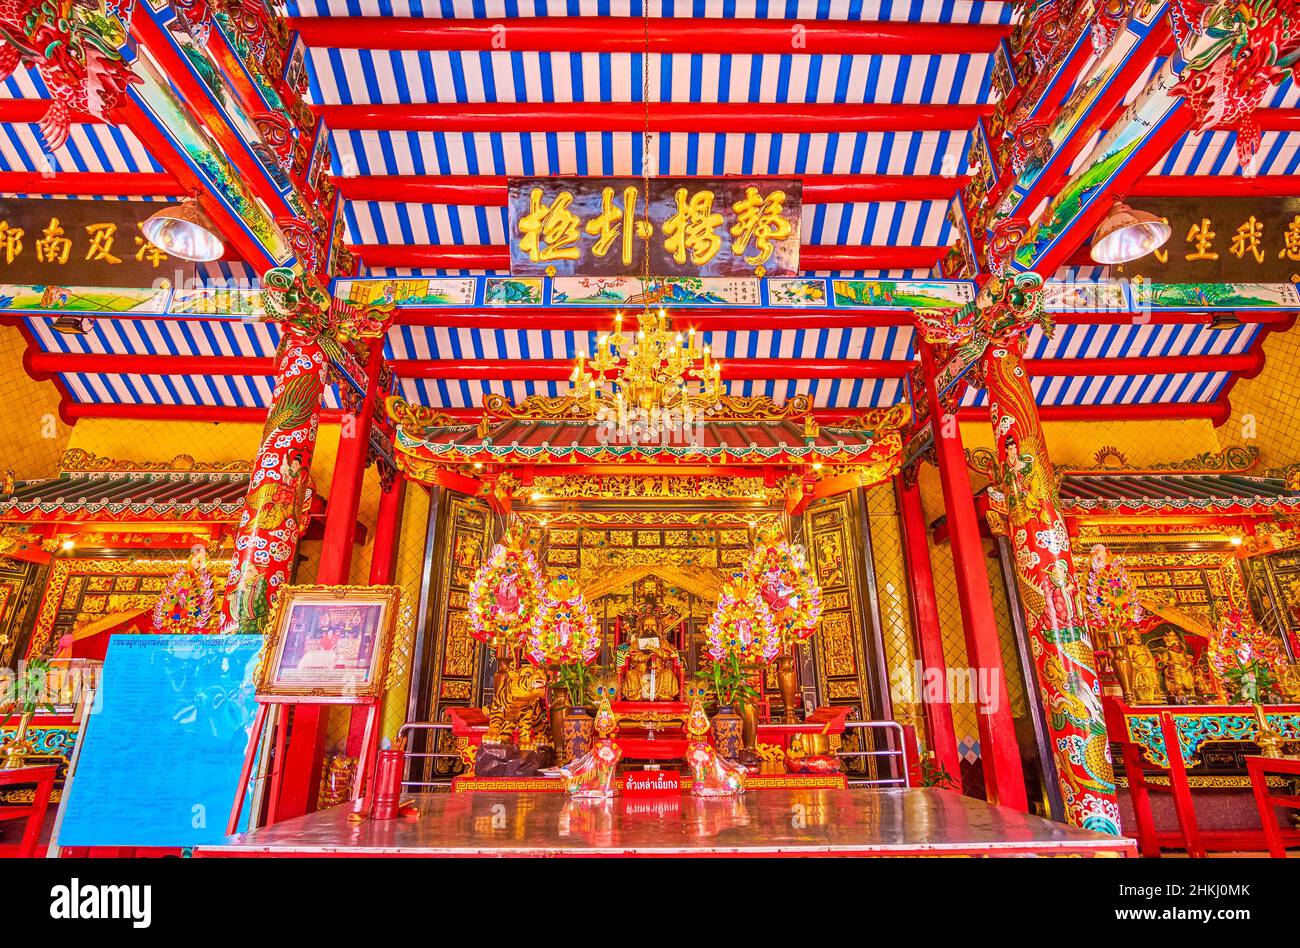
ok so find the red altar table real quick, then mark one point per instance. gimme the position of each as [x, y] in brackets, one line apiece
[915, 822]
[1259, 768]
[639, 741]
[34, 813]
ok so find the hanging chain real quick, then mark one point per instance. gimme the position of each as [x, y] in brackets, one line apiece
[645, 163]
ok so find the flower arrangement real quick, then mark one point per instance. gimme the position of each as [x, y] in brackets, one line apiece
[1111, 599]
[743, 626]
[1245, 657]
[504, 596]
[787, 586]
[563, 633]
[726, 680]
[185, 605]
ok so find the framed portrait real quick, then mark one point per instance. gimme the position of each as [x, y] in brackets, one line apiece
[329, 642]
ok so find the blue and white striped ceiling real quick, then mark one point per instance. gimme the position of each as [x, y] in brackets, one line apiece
[378, 76]
[407, 342]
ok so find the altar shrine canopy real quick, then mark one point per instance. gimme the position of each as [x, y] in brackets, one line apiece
[734, 405]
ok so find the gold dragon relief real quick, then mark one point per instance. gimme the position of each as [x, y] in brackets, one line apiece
[458, 655]
[838, 653]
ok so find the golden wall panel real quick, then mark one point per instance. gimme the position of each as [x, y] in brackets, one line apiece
[30, 430]
[893, 600]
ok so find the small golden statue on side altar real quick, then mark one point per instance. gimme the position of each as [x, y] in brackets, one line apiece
[1144, 672]
[1176, 669]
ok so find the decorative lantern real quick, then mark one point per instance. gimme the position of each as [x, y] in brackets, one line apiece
[504, 595]
[787, 586]
[185, 605]
[564, 631]
[743, 626]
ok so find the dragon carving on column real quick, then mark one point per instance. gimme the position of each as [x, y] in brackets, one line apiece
[990, 335]
[1253, 46]
[75, 45]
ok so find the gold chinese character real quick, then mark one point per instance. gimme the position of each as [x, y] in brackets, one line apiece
[693, 229]
[1162, 253]
[549, 232]
[1200, 235]
[53, 247]
[759, 219]
[1291, 240]
[11, 241]
[609, 227]
[101, 242]
[1246, 240]
[149, 252]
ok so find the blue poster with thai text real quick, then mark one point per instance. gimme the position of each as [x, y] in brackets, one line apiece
[162, 750]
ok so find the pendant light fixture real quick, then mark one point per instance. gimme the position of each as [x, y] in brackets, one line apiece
[1126, 235]
[184, 231]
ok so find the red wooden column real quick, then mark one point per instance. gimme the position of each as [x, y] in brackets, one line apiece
[305, 753]
[1004, 777]
[925, 618]
[383, 570]
[388, 527]
[279, 494]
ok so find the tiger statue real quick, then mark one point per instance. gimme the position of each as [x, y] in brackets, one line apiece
[519, 706]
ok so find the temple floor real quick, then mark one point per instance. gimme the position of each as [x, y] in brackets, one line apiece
[788, 822]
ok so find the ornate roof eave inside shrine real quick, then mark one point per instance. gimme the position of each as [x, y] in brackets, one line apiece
[561, 435]
[425, 118]
[95, 490]
[1222, 485]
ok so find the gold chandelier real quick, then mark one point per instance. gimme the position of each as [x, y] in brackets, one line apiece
[653, 370]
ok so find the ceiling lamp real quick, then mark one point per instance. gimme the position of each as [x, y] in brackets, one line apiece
[184, 231]
[1126, 235]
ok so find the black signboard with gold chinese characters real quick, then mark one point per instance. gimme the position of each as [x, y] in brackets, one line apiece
[692, 227]
[82, 243]
[1222, 240]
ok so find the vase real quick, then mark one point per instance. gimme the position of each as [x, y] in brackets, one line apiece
[559, 704]
[788, 679]
[727, 728]
[577, 729]
[748, 733]
[17, 748]
[1269, 741]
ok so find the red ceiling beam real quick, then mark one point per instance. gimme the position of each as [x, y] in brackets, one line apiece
[1217, 185]
[71, 412]
[121, 184]
[1216, 412]
[490, 191]
[702, 320]
[44, 365]
[557, 370]
[666, 35]
[663, 117]
[33, 110]
[497, 257]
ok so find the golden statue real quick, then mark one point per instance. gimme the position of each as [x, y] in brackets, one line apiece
[651, 668]
[1137, 671]
[1176, 664]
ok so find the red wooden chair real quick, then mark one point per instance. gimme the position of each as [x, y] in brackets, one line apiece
[1149, 838]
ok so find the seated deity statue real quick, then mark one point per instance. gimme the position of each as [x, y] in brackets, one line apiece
[651, 668]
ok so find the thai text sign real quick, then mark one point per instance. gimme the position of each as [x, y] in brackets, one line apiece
[1223, 240]
[689, 227]
[82, 243]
